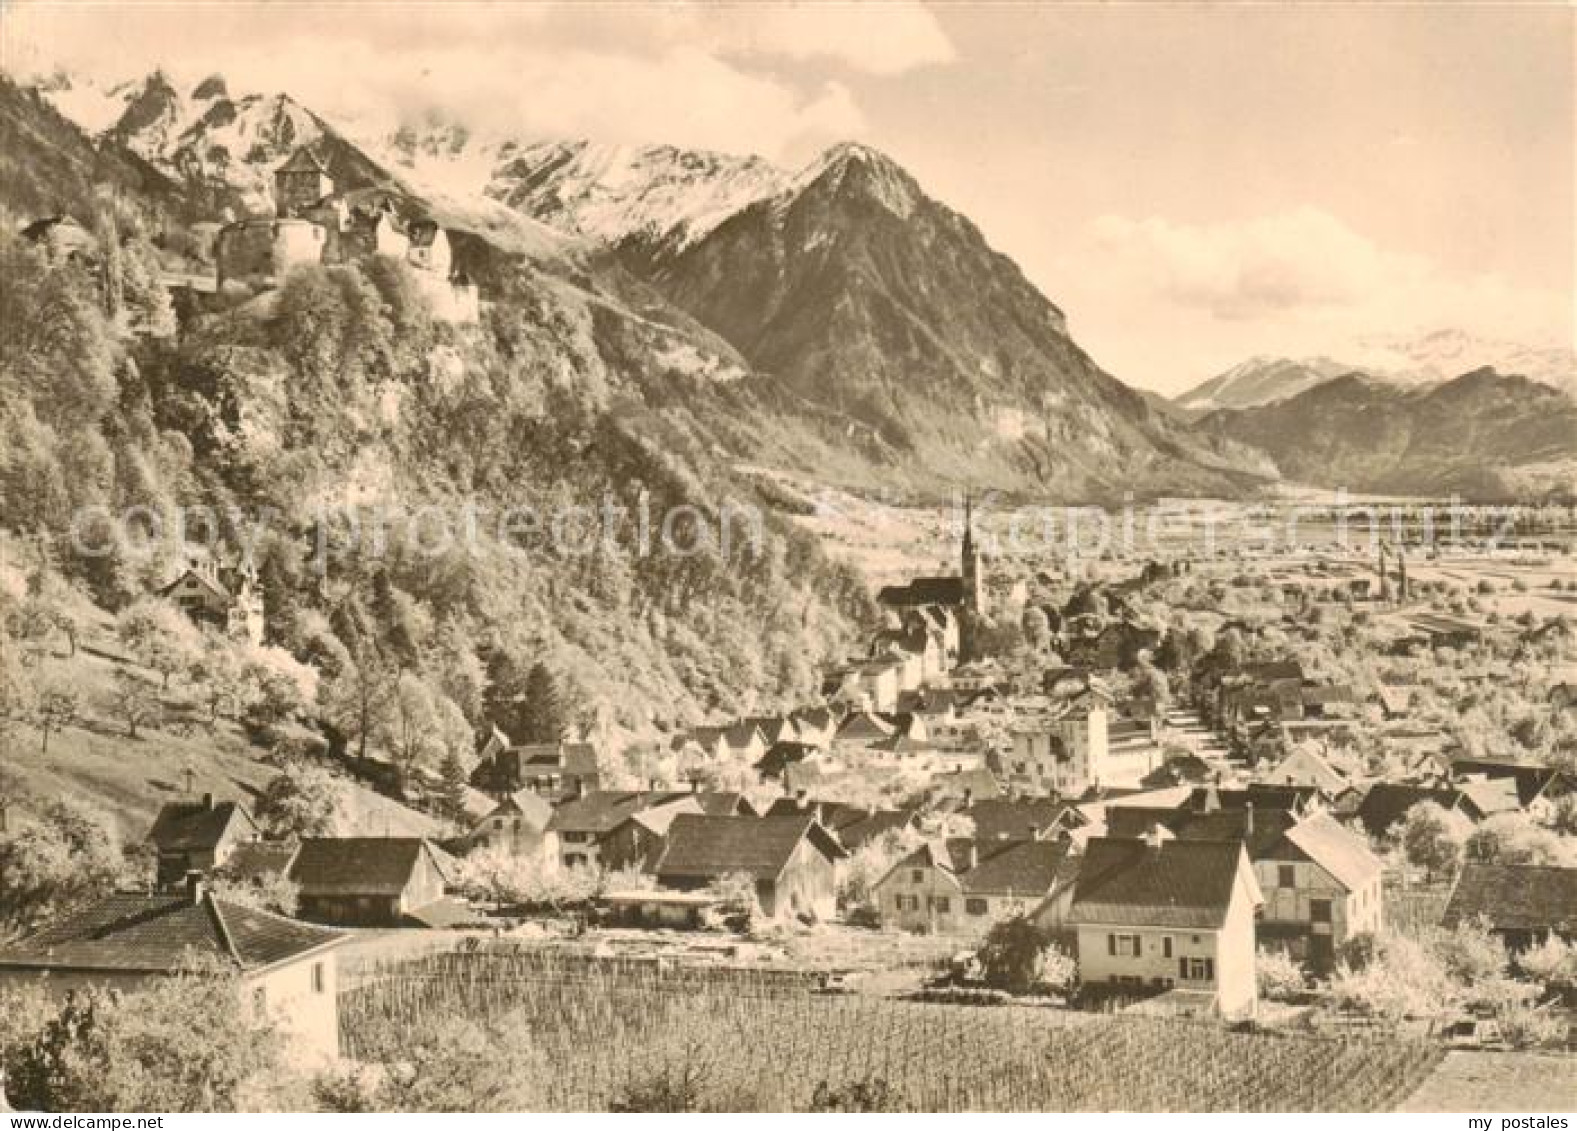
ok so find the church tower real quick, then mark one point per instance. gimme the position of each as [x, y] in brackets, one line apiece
[974, 590]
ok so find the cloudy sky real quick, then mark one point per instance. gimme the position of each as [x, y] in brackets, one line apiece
[1192, 184]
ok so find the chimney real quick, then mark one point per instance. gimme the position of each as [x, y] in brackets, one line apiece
[972, 855]
[695, 783]
[801, 797]
[1156, 836]
[208, 801]
[1248, 818]
[969, 797]
[195, 887]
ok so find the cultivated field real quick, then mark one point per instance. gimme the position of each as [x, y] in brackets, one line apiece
[1498, 1081]
[754, 1041]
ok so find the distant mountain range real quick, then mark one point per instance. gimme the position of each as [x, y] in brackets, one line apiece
[1425, 360]
[833, 320]
[867, 333]
[1481, 435]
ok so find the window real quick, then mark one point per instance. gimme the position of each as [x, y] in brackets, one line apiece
[1126, 946]
[1166, 946]
[1320, 910]
[1286, 876]
[319, 981]
[941, 903]
[917, 875]
[1196, 969]
[975, 906]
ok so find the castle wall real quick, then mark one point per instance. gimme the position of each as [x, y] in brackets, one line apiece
[261, 251]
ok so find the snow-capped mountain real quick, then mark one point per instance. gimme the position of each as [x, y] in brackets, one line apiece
[202, 134]
[860, 325]
[1259, 380]
[653, 194]
[1430, 359]
[1443, 354]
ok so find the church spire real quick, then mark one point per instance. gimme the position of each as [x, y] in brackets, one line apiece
[970, 565]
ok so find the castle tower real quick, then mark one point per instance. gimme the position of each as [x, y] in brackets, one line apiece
[300, 183]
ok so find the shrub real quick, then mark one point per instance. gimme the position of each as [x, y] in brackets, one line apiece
[1279, 975]
[1021, 957]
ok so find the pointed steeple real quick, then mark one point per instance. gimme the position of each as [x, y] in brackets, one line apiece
[970, 565]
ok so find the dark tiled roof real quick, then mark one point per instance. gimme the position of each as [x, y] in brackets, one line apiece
[510, 766]
[603, 810]
[859, 833]
[924, 591]
[725, 803]
[362, 865]
[158, 934]
[1024, 819]
[1026, 867]
[1516, 897]
[708, 847]
[1180, 883]
[1388, 802]
[781, 755]
[186, 826]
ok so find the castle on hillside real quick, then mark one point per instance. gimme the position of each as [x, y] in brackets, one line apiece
[315, 222]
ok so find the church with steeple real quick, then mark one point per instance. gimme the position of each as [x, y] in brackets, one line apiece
[955, 602]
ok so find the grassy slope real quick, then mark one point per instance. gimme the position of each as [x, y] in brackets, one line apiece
[129, 778]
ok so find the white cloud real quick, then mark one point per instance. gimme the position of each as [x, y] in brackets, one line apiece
[689, 75]
[1290, 283]
[878, 38]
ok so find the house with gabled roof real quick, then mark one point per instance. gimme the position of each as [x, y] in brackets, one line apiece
[1021, 818]
[1160, 915]
[735, 740]
[366, 881]
[1304, 767]
[1524, 904]
[198, 836]
[555, 770]
[792, 860]
[133, 941]
[1537, 787]
[613, 829]
[965, 884]
[517, 825]
[228, 598]
[1385, 805]
[1320, 882]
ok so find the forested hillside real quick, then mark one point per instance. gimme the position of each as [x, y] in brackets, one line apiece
[340, 390]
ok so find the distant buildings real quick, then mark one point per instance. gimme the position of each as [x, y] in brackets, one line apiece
[555, 771]
[226, 597]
